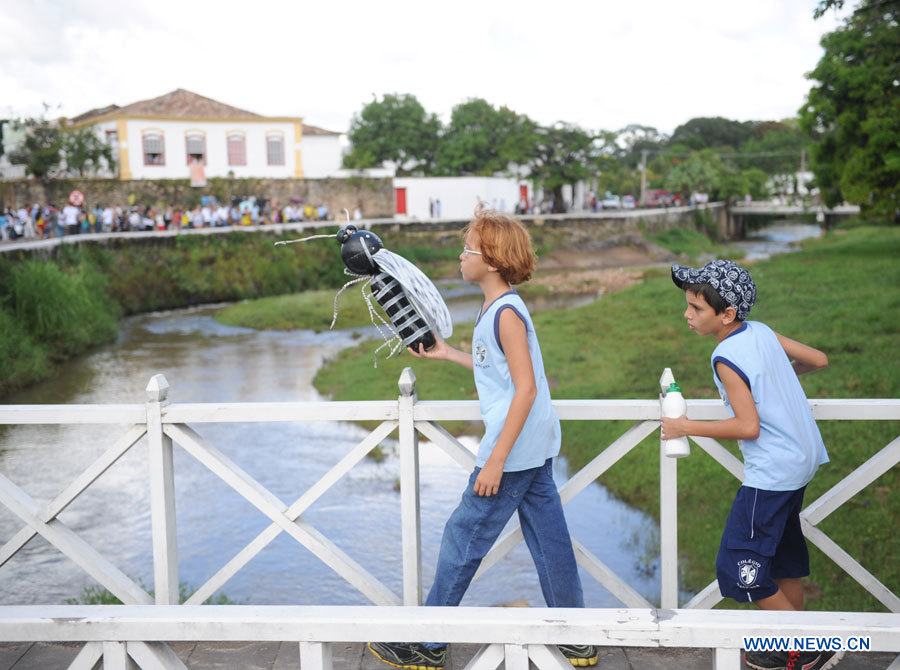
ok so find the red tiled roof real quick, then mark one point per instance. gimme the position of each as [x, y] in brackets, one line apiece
[181, 103]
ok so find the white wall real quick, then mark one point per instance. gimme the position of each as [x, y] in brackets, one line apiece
[321, 155]
[176, 166]
[458, 195]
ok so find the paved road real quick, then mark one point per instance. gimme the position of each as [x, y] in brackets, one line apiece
[286, 656]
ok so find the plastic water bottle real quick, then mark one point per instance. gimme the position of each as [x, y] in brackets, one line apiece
[674, 406]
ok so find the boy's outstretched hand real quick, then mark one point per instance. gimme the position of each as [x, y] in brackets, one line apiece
[487, 483]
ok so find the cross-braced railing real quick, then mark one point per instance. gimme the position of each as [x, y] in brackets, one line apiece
[168, 424]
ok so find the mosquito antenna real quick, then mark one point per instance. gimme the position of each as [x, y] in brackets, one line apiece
[304, 239]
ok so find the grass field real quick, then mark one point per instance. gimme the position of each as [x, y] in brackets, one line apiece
[839, 294]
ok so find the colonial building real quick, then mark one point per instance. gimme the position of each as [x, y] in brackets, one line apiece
[162, 137]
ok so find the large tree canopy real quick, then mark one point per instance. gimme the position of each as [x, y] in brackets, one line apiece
[565, 154]
[853, 110]
[484, 140]
[396, 128]
[711, 132]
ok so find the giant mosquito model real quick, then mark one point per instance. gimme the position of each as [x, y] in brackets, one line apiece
[412, 303]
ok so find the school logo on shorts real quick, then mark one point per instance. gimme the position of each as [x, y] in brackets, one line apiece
[748, 570]
[480, 353]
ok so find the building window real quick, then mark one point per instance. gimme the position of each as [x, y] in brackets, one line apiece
[275, 149]
[154, 149]
[195, 144]
[237, 149]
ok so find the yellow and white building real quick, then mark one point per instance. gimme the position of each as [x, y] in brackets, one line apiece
[160, 138]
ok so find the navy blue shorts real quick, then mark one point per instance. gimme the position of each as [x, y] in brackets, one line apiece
[762, 542]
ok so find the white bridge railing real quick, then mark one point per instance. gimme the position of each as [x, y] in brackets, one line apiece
[117, 632]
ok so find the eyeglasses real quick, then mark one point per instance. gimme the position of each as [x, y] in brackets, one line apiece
[466, 250]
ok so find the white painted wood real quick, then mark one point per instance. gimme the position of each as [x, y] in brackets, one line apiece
[154, 656]
[727, 659]
[115, 657]
[64, 539]
[484, 625]
[74, 414]
[444, 440]
[88, 656]
[73, 490]
[869, 409]
[668, 529]
[162, 496]
[257, 412]
[410, 518]
[548, 657]
[706, 599]
[488, 657]
[721, 455]
[865, 578]
[267, 503]
[853, 483]
[575, 485]
[315, 656]
[607, 578]
[309, 497]
[516, 657]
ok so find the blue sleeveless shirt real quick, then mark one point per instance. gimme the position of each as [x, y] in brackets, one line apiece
[789, 448]
[540, 435]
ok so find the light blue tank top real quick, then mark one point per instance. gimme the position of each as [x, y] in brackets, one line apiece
[540, 436]
[789, 448]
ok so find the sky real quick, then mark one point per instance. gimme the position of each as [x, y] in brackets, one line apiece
[601, 64]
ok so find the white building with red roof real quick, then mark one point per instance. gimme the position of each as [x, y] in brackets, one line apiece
[160, 138]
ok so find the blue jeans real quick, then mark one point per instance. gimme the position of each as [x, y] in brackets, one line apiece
[477, 522]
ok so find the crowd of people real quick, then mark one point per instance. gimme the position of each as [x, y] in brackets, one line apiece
[46, 221]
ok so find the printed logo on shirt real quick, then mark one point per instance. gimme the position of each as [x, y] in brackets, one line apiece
[748, 569]
[479, 354]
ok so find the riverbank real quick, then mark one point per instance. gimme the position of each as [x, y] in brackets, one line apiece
[831, 295]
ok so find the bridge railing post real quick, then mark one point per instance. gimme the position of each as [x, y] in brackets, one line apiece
[668, 519]
[162, 495]
[410, 520]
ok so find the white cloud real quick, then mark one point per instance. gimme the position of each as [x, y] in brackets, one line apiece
[601, 65]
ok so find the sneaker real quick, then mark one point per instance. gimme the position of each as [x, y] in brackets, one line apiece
[408, 655]
[782, 660]
[828, 659]
[580, 655]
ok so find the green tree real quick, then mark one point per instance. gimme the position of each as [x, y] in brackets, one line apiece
[635, 139]
[853, 110]
[484, 140]
[396, 128]
[715, 131]
[41, 151]
[85, 152]
[564, 154]
[701, 172]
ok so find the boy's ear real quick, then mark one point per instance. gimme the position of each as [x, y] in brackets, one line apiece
[728, 316]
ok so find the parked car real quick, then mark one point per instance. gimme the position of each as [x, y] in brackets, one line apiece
[611, 202]
[658, 197]
[628, 202]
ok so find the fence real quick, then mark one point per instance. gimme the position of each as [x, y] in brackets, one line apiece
[116, 633]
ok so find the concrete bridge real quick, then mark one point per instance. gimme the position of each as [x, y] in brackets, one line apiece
[738, 215]
[155, 631]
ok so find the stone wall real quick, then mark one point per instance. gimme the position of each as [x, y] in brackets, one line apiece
[374, 197]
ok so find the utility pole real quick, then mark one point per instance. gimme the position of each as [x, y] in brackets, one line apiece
[643, 177]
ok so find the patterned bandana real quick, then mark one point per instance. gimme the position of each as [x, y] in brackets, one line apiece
[729, 279]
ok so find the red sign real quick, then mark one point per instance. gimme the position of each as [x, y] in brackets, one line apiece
[76, 197]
